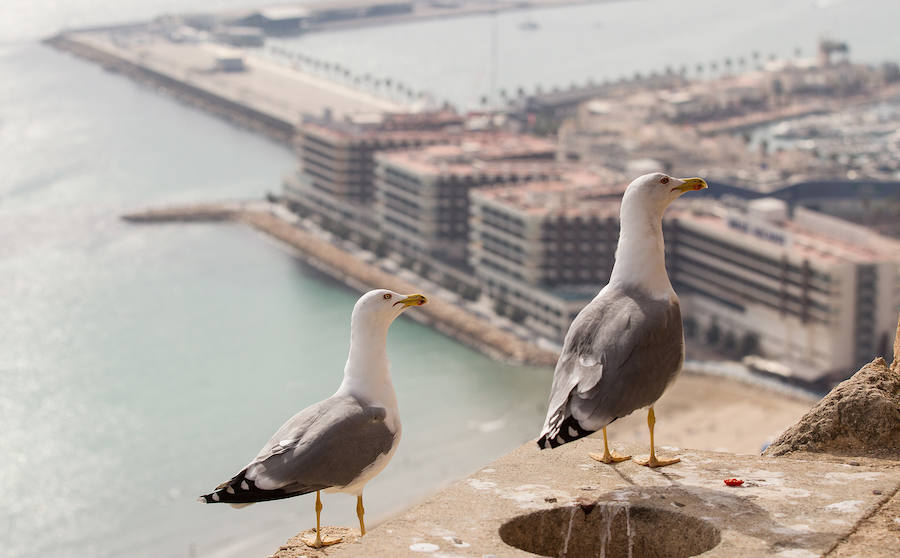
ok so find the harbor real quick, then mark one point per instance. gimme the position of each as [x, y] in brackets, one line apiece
[379, 164]
[155, 351]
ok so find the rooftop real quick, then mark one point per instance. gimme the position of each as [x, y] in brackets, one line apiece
[480, 153]
[807, 235]
[585, 194]
[372, 126]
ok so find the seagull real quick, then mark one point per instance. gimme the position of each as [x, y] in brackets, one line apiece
[341, 443]
[626, 346]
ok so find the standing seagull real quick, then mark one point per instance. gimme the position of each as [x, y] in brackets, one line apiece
[626, 346]
[341, 443]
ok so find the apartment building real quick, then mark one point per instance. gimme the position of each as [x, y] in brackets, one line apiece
[546, 249]
[813, 292]
[819, 293]
[334, 179]
[422, 195]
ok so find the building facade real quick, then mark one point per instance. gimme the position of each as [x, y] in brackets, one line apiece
[335, 177]
[813, 292]
[819, 294]
[422, 196]
[545, 249]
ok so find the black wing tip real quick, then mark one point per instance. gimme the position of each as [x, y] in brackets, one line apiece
[569, 430]
[241, 490]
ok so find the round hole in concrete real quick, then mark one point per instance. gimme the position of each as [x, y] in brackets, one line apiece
[610, 530]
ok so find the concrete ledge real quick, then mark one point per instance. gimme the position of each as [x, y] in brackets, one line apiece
[578, 507]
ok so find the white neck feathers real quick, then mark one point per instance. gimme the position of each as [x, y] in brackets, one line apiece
[367, 375]
[641, 254]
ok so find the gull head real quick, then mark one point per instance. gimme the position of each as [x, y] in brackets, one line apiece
[655, 191]
[381, 307]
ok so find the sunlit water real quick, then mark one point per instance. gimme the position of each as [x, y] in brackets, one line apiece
[141, 365]
[454, 59]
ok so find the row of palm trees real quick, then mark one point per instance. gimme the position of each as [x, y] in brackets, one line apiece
[385, 86]
[397, 90]
[713, 68]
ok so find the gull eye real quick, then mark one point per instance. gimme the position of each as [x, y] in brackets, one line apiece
[387, 296]
[664, 180]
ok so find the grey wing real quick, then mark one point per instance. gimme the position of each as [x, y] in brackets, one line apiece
[327, 444]
[620, 354]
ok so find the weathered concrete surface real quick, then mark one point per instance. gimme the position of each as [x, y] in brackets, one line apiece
[786, 507]
[875, 535]
[295, 547]
[860, 417]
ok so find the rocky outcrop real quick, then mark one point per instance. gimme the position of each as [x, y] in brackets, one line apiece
[859, 418]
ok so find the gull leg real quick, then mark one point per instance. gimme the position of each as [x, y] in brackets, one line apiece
[652, 461]
[608, 457]
[319, 542]
[360, 512]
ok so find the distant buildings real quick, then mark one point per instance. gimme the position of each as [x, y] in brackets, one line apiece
[293, 19]
[534, 225]
[422, 200]
[544, 249]
[335, 178]
[814, 292]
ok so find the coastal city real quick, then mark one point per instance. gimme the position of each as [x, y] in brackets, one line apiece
[790, 262]
[568, 278]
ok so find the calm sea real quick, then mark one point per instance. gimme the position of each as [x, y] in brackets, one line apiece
[141, 365]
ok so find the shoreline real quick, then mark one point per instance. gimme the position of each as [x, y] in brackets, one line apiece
[459, 324]
[445, 317]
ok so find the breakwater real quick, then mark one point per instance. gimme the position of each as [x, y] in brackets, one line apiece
[450, 319]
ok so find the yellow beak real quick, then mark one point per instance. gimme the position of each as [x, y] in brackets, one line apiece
[412, 300]
[691, 184]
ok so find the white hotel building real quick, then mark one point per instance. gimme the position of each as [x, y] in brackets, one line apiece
[821, 294]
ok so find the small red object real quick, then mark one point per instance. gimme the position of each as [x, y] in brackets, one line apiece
[734, 482]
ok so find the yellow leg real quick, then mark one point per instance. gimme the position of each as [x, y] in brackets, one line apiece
[319, 542]
[652, 461]
[608, 457]
[360, 512]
